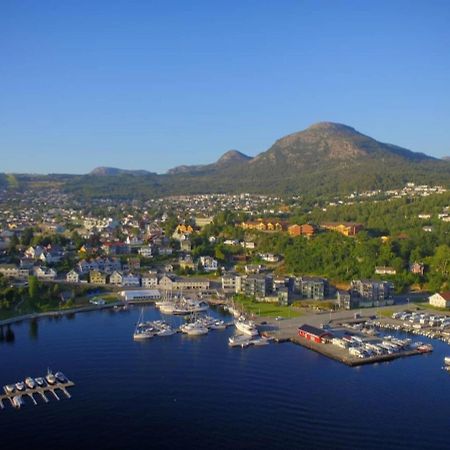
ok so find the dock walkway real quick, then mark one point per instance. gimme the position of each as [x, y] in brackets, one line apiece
[42, 391]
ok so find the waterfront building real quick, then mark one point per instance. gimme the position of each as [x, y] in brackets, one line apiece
[73, 276]
[312, 287]
[314, 334]
[258, 286]
[441, 299]
[142, 294]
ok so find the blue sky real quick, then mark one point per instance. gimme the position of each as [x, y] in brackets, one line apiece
[155, 84]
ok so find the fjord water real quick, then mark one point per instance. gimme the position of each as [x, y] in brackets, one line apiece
[182, 392]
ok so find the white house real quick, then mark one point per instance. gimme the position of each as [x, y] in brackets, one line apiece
[209, 264]
[45, 273]
[441, 299]
[146, 251]
[131, 280]
[73, 276]
[116, 278]
[150, 280]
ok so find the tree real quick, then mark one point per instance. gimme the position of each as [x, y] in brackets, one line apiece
[33, 287]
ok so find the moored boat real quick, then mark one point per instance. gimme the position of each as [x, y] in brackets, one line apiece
[18, 401]
[50, 378]
[20, 386]
[246, 326]
[40, 381]
[30, 382]
[9, 388]
[447, 360]
[60, 377]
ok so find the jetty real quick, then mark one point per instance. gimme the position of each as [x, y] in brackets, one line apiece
[40, 392]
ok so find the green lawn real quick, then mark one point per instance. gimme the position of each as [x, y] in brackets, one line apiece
[266, 309]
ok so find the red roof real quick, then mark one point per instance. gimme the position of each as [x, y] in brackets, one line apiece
[445, 295]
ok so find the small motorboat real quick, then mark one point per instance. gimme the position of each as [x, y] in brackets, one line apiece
[447, 360]
[30, 382]
[40, 381]
[18, 401]
[50, 378]
[61, 377]
[20, 386]
[9, 388]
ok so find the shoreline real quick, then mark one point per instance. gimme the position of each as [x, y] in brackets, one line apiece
[63, 312]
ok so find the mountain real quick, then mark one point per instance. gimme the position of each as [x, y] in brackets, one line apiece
[113, 171]
[230, 158]
[326, 159]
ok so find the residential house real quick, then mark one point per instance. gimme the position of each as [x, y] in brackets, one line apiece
[45, 273]
[97, 277]
[208, 263]
[73, 276]
[417, 268]
[116, 278]
[258, 286]
[146, 251]
[131, 280]
[301, 230]
[150, 280]
[345, 228]
[385, 270]
[441, 299]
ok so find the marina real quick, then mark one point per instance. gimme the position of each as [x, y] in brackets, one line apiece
[40, 388]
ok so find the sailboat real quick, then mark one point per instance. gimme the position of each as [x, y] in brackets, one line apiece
[142, 330]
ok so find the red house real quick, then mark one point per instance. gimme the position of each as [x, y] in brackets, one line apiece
[313, 334]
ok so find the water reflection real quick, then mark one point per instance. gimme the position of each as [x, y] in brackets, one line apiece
[9, 335]
[34, 329]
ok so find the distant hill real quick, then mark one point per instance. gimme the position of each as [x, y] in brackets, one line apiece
[113, 171]
[229, 159]
[325, 159]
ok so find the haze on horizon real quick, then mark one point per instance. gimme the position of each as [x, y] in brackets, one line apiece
[154, 85]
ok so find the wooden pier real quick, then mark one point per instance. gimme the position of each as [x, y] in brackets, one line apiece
[38, 391]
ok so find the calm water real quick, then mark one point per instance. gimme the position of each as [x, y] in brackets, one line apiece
[180, 392]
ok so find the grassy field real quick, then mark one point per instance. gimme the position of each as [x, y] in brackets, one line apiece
[266, 309]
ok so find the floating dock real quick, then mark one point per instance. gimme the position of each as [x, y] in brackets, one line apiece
[40, 392]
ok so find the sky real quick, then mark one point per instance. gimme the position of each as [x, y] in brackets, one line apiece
[155, 84]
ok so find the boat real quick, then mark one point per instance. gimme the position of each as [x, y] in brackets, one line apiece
[246, 326]
[218, 325]
[18, 401]
[260, 341]
[143, 330]
[239, 340]
[20, 386]
[9, 388]
[194, 328]
[30, 382]
[447, 360]
[166, 331]
[50, 378]
[61, 377]
[40, 382]
[425, 348]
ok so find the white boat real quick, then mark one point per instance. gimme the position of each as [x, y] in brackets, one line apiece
[166, 331]
[260, 341]
[40, 381]
[50, 378]
[143, 330]
[194, 328]
[18, 401]
[218, 325]
[239, 340]
[20, 386]
[60, 377]
[447, 360]
[30, 382]
[9, 388]
[167, 307]
[246, 326]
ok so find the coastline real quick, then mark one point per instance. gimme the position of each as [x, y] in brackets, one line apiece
[56, 313]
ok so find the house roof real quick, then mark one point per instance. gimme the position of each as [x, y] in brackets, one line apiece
[445, 295]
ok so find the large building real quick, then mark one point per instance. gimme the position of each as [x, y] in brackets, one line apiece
[312, 287]
[367, 293]
[258, 286]
[345, 228]
[301, 230]
[267, 225]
